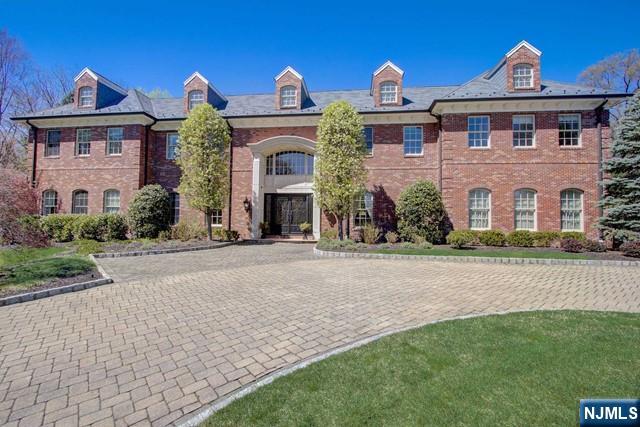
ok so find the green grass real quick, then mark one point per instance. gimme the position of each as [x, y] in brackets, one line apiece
[506, 253]
[518, 369]
[26, 267]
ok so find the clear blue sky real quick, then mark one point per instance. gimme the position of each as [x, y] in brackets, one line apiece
[241, 46]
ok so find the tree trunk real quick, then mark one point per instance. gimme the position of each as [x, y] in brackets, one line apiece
[348, 226]
[207, 217]
[340, 235]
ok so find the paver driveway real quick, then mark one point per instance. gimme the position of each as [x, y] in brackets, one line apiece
[158, 348]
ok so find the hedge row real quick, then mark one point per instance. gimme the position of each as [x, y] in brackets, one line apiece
[518, 238]
[101, 227]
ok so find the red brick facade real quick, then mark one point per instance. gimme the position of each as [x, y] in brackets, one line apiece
[524, 56]
[387, 74]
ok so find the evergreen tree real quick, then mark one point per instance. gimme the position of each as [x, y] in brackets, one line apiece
[621, 219]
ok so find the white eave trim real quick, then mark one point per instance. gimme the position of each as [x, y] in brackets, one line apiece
[517, 105]
[291, 70]
[525, 44]
[104, 81]
[201, 77]
[388, 64]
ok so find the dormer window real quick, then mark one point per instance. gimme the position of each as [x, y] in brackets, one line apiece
[388, 93]
[196, 97]
[86, 97]
[288, 97]
[522, 76]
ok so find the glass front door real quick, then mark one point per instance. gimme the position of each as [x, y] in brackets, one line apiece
[285, 212]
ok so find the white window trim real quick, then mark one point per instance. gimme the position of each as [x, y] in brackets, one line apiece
[295, 97]
[104, 200]
[395, 92]
[488, 131]
[524, 147]
[367, 154]
[581, 229]
[570, 147]
[166, 151]
[77, 147]
[531, 84]
[46, 145]
[91, 97]
[190, 100]
[121, 142]
[535, 209]
[421, 142]
[221, 219]
[469, 209]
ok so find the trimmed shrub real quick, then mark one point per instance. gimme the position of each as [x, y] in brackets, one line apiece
[336, 245]
[230, 235]
[420, 211]
[370, 234]
[306, 228]
[88, 227]
[461, 238]
[631, 248]
[520, 238]
[569, 244]
[578, 235]
[149, 211]
[187, 230]
[391, 237]
[594, 246]
[492, 238]
[31, 233]
[115, 226]
[59, 227]
[330, 234]
[545, 239]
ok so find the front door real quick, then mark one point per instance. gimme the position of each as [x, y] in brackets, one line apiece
[285, 212]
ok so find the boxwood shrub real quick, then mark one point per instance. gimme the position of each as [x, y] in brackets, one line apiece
[59, 227]
[461, 238]
[492, 238]
[520, 238]
[149, 211]
[420, 211]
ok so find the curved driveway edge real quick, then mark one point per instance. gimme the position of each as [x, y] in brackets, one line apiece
[477, 259]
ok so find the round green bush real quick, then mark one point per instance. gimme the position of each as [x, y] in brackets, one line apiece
[520, 238]
[420, 212]
[88, 227]
[59, 227]
[492, 238]
[149, 211]
[461, 238]
[545, 239]
[115, 226]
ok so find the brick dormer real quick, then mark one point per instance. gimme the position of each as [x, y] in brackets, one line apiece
[385, 82]
[523, 63]
[93, 91]
[197, 89]
[291, 90]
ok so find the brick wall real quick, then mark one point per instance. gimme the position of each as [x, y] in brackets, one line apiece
[289, 79]
[524, 56]
[86, 81]
[387, 74]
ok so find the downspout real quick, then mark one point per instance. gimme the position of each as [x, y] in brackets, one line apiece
[34, 161]
[230, 179]
[439, 118]
[145, 172]
[599, 112]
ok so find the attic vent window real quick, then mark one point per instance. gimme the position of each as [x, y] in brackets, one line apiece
[196, 97]
[388, 93]
[288, 97]
[523, 76]
[86, 97]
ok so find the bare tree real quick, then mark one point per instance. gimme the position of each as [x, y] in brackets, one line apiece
[620, 71]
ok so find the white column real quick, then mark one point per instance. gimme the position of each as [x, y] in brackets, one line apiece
[256, 195]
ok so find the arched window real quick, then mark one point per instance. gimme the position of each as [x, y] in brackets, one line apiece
[480, 209]
[571, 202]
[80, 202]
[522, 76]
[525, 209]
[290, 163]
[111, 201]
[86, 96]
[196, 97]
[388, 92]
[288, 96]
[49, 202]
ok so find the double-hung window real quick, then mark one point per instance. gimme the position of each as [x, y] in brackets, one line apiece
[83, 142]
[363, 209]
[479, 209]
[525, 209]
[172, 145]
[111, 201]
[412, 139]
[114, 141]
[52, 148]
[522, 76]
[196, 97]
[368, 140]
[86, 96]
[288, 97]
[388, 93]
[80, 202]
[174, 212]
[569, 130]
[216, 218]
[49, 202]
[523, 131]
[478, 129]
[571, 210]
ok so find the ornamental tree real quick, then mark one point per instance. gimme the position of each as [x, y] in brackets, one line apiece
[621, 219]
[203, 158]
[339, 169]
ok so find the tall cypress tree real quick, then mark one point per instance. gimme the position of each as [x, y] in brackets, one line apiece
[621, 219]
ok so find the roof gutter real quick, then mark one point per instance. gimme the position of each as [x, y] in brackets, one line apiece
[61, 116]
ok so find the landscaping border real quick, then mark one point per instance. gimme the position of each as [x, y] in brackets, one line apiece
[163, 251]
[46, 293]
[477, 259]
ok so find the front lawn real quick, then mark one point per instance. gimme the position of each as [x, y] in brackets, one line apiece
[23, 269]
[517, 369]
[493, 253]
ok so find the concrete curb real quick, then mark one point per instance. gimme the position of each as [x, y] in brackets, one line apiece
[202, 414]
[477, 259]
[162, 251]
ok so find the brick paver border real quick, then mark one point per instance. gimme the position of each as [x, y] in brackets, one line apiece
[477, 259]
[164, 251]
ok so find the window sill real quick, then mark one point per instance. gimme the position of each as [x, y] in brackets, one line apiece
[82, 156]
[113, 155]
[533, 147]
[480, 148]
[569, 147]
[51, 157]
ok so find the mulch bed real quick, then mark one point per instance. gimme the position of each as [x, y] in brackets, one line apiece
[93, 274]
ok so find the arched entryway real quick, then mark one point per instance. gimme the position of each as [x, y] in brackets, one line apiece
[282, 187]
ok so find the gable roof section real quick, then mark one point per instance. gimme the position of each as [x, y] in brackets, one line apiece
[525, 44]
[388, 64]
[212, 87]
[101, 79]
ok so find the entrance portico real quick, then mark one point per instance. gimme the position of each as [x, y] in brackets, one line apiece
[282, 185]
